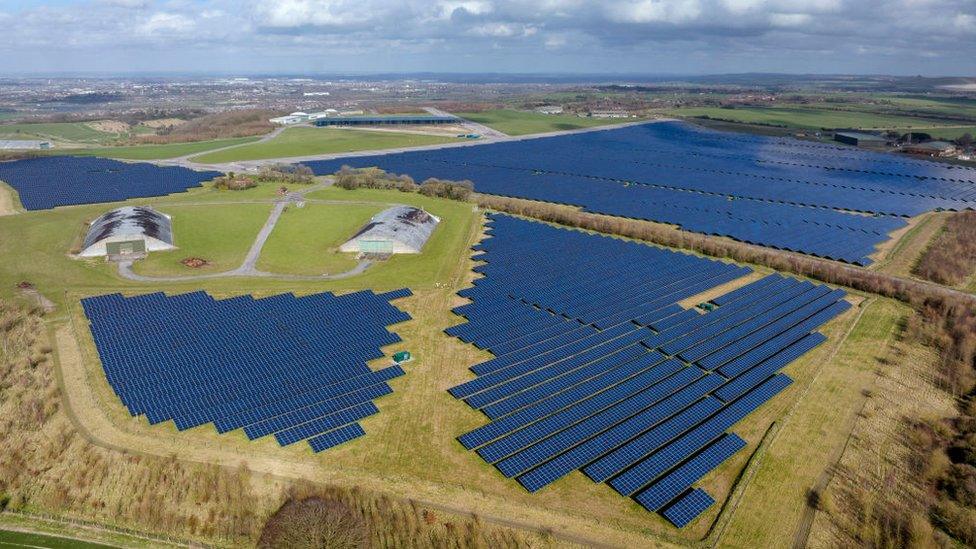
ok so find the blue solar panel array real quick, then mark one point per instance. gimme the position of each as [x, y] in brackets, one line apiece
[598, 369]
[776, 192]
[292, 367]
[52, 181]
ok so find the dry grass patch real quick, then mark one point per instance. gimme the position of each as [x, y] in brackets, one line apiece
[820, 410]
[875, 478]
[109, 126]
[898, 255]
[7, 203]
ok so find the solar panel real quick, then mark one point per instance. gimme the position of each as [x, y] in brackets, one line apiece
[584, 328]
[775, 192]
[686, 508]
[47, 182]
[290, 366]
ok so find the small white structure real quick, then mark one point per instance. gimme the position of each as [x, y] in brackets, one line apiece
[610, 113]
[327, 113]
[397, 230]
[128, 231]
[293, 118]
[549, 109]
[23, 144]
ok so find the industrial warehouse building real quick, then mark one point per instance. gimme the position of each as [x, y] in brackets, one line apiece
[397, 230]
[419, 119]
[131, 231]
[861, 139]
[23, 144]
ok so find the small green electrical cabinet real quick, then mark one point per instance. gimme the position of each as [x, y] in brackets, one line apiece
[402, 356]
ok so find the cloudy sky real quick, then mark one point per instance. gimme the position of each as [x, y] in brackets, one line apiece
[929, 37]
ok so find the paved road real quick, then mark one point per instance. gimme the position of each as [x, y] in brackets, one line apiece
[486, 132]
[253, 165]
[185, 159]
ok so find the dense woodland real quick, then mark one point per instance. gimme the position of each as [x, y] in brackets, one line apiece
[240, 123]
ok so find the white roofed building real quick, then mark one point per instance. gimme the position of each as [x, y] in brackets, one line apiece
[397, 230]
[128, 231]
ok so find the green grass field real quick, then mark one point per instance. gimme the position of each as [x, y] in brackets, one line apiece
[13, 539]
[514, 122]
[306, 240]
[220, 234]
[76, 132]
[311, 141]
[156, 152]
[808, 118]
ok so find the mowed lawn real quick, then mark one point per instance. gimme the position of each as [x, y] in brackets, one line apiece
[312, 141]
[513, 122]
[156, 152]
[222, 235]
[808, 117]
[306, 240]
[57, 131]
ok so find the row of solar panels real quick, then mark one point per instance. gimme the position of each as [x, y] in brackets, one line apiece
[292, 367]
[764, 191]
[48, 182]
[598, 369]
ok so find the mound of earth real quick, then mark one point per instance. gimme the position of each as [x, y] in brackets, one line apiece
[109, 126]
[195, 262]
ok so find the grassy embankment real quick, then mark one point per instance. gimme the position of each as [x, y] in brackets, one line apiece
[513, 122]
[312, 141]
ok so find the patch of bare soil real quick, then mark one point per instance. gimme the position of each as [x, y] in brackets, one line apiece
[109, 126]
[195, 262]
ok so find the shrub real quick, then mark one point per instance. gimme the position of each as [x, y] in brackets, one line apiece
[288, 173]
[951, 257]
[955, 519]
[959, 483]
[453, 190]
[314, 523]
[231, 182]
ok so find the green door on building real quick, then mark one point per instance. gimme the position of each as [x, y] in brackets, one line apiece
[126, 247]
[376, 246]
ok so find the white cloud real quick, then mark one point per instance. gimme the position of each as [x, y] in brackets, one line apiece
[965, 22]
[503, 30]
[654, 11]
[789, 19]
[631, 35]
[166, 23]
[475, 7]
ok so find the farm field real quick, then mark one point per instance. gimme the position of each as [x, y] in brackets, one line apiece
[158, 152]
[811, 118]
[513, 122]
[10, 539]
[74, 132]
[311, 141]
